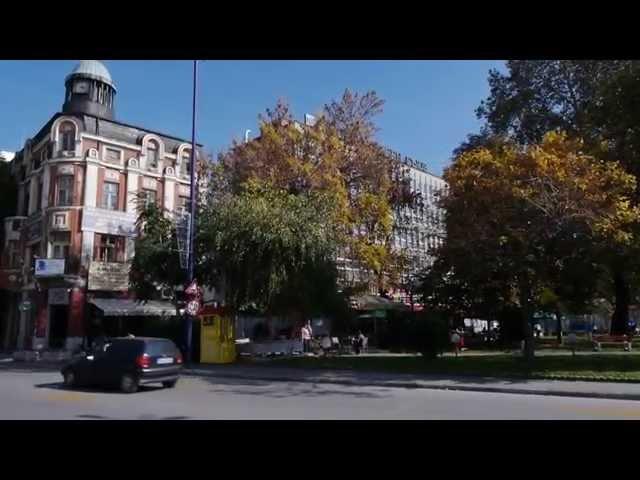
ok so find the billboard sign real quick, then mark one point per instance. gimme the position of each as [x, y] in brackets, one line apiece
[49, 267]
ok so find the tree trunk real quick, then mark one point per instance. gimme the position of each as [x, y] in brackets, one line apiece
[620, 317]
[270, 327]
[559, 327]
[529, 346]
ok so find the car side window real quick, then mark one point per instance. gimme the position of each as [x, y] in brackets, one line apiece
[160, 348]
[101, 351]
[125, 350]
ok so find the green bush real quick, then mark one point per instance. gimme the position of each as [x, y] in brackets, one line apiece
[423, 332]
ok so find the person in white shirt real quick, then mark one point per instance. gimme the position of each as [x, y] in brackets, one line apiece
[305, 333]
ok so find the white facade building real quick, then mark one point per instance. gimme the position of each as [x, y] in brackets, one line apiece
[418, 231]
[6, 156]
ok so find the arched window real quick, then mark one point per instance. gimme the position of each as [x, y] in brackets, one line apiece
[152, 155]
[67, 136]
[185, 163]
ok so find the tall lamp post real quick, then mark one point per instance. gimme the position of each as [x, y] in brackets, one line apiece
[192, 223]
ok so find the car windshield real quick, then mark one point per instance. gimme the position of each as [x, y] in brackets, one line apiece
[158, 348]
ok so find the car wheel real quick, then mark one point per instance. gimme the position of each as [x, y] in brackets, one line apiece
[69, 378]
[170, 384]
[128, 383]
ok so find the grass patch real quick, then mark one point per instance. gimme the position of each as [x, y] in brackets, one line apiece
[601, 367]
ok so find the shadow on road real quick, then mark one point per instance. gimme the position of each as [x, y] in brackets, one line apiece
[60, 386]
[15, 368]
[142, 417]
[288, 389]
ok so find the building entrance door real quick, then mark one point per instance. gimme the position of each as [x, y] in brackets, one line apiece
[58, 322]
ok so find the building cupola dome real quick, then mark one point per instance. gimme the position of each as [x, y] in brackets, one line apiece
[90, 89]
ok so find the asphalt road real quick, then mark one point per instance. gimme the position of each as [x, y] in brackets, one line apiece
[40, 395]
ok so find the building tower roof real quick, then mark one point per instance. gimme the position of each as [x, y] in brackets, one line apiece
[94, 69]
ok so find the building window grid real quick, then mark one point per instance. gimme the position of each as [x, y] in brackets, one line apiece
[67, 137]
[152, 156]
[110, 249]
[113, 155]
[110, 195]
[185, 164]
[65, 190]
[150, 197]
[59, 220]
[184, 204]
[60, 245]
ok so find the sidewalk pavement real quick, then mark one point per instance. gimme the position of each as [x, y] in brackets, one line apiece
[563, 388]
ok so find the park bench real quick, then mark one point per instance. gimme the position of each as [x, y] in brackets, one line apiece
[624, 340]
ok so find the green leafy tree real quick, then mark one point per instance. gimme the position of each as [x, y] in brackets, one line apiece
[271, 248]
[156, 263]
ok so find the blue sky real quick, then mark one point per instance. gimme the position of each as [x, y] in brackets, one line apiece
[429, 105]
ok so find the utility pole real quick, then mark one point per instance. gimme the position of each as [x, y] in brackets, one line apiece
[192, 223]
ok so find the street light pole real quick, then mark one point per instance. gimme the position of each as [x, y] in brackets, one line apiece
[192, 223]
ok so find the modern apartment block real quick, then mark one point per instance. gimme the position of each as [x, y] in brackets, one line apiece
[417, 232]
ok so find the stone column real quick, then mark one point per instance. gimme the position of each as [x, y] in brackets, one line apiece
[76, 324]
[33, 195]
[91, 185]
[169, 194]
[46, 182]
[87, 249]
[41, 322]
[132, 192]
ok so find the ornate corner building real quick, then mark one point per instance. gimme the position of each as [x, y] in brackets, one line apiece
[79, 177]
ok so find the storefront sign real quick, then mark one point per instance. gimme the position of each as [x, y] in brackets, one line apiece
[58, 296]
[49, 267]
[107, 221]
[108, 276]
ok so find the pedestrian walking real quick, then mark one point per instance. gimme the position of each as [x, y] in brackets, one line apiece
[455, 340]
[305, 333]
[357, 343]
[460, 333]
[362, 340]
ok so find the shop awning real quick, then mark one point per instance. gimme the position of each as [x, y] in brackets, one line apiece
[373, 302]
[116, 307]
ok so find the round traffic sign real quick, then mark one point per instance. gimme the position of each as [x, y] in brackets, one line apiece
[25, 305]
[193, 307]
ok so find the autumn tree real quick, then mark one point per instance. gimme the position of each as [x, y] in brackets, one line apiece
[515, 216]
[339, 157]
[591, 100]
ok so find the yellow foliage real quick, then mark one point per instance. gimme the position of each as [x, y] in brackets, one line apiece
[554, 182]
